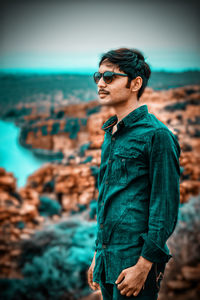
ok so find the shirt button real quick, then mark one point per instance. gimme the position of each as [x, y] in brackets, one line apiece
[109, 161]
[103, 246]
[123, 159]
[101, 225]
[113, 138]
[102, 203]
[106, 181]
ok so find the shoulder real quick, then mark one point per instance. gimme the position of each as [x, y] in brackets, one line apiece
[155, 122]
[159, 128]
[165, 140]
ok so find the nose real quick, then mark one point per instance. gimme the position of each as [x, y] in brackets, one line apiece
[101, 83]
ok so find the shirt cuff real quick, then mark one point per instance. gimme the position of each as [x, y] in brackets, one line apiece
[152, 251]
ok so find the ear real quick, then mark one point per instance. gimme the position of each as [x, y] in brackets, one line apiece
[136, 84]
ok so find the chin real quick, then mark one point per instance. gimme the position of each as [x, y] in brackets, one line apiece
[105, 100]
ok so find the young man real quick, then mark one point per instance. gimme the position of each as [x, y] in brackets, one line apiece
[138, 185]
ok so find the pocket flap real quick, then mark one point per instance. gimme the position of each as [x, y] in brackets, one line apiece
[126, 152]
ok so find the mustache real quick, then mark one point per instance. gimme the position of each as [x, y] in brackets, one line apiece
[103, 91]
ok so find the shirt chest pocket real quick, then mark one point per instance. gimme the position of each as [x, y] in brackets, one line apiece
[124, 166]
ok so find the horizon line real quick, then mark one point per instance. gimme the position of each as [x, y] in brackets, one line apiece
[82, 71]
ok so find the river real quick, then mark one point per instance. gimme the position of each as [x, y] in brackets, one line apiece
[14, 157]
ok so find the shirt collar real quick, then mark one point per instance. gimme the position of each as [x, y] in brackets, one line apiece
[128, 120]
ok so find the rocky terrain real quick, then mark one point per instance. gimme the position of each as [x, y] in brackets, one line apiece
[72, 88]
[67, 187]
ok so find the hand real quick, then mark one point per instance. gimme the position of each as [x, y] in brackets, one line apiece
[131, 280]
[93, 285]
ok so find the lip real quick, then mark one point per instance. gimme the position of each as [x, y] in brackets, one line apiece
[102, 93]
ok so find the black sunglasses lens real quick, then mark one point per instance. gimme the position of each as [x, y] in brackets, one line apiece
[108, 76]
[97, 77]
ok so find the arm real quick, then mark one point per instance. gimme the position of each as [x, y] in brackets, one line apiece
[92, 284]
[164, 173]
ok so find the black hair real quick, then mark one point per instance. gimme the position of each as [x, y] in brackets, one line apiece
[131, 62]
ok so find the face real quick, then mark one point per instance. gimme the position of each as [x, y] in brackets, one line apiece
[116, 91]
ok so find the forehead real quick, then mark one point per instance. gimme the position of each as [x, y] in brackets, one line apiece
[107, 66]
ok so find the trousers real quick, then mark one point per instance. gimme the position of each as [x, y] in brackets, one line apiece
[151, 288]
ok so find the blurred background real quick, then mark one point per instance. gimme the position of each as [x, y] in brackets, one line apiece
[51, 136]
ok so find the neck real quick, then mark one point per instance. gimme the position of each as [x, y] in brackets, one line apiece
[124, 108]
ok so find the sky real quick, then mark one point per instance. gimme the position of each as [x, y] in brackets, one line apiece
[72, 35]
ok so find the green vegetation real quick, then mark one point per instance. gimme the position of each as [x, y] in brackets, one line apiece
[54, 263]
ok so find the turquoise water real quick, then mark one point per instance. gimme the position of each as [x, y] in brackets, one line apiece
[15, 158]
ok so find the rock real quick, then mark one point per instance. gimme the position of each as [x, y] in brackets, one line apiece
[191, 273]
[7, 182]
[179, 284]
[18, 214]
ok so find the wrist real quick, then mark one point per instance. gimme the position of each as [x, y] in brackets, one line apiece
[144, 263]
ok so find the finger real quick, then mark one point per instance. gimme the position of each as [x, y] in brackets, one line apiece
[90, 284]
[120, 287]
[123, 292]
[136, 293]
[120, 277]
[122, 284]
[90, 278]
[96, 285]
[91, 275]
[93, 287]
[129, 293]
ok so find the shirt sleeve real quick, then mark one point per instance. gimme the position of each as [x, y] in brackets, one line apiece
[164, 174]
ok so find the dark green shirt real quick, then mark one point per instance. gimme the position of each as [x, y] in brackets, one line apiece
[139, 195]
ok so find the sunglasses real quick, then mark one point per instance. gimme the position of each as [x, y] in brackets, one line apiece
[107, 76]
